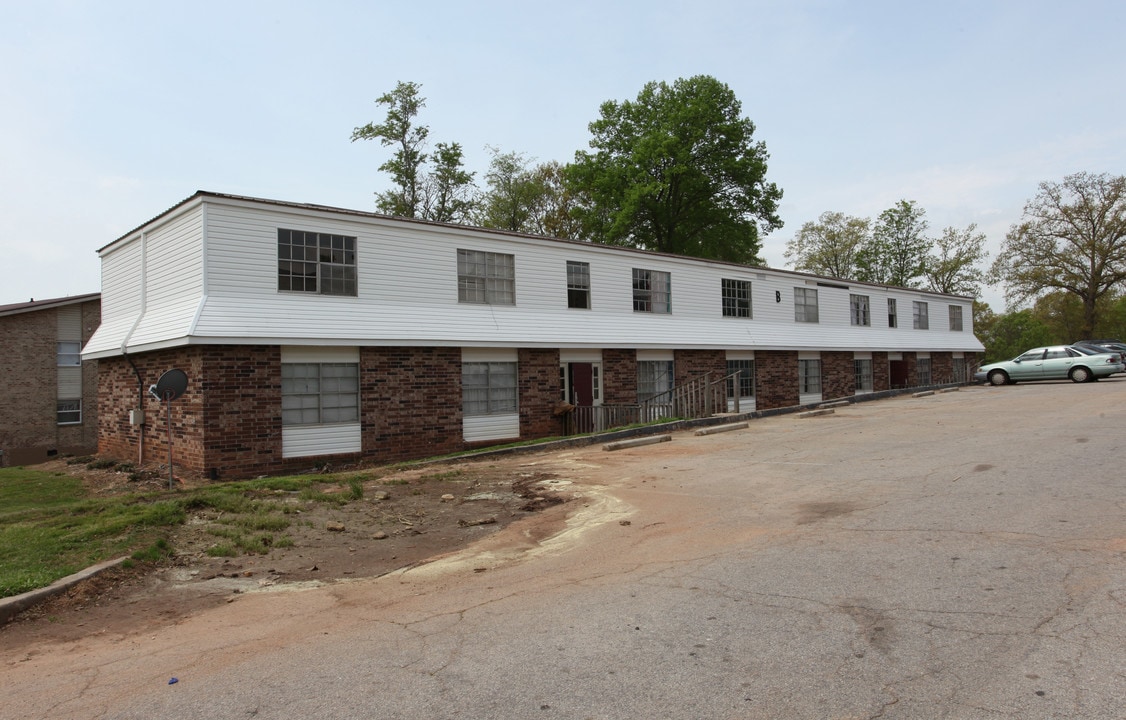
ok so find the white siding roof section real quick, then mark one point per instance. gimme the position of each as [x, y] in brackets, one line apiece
[407, 292]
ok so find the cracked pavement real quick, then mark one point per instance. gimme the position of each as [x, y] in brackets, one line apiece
[961, 555]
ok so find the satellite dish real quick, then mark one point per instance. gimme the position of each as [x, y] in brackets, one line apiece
[171, 385]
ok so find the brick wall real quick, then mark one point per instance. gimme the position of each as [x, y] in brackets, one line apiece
[29, 429]
[690, 364]
[777, 372]
[411, 401]
[539, 392]
[619, 377]
[942, 367]
[881, 377]
[912, 364]
[838, 375]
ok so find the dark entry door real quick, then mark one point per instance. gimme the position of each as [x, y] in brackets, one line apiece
[582, 383]
[897, 369]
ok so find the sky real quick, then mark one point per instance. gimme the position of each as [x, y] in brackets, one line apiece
[111, 112]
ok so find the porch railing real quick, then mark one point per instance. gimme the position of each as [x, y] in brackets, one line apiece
[698, 398]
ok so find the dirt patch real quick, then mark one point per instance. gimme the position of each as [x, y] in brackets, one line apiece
[402, 519]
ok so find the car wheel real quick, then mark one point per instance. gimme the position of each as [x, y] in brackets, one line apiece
[1080, 374]
[998, 377]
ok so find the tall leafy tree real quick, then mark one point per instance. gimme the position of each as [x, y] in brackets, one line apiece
[677, 170]
[512, 194]
[1071, 237]
[448, 194]
[1013, 333]
[953, 265]
[442, 191]
[831, 245]
[399, 131]
[896, 253]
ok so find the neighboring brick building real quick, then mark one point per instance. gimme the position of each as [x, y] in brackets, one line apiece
[48, 402]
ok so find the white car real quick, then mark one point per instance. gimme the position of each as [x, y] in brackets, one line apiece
[1056, 362]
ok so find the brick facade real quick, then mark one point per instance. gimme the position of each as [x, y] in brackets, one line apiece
[838, 375]
[619, 377]
[691, 364]
[539, 392]
[881, 376]
[942, 368]
[777, 381]
[29, 427]
[411, 401]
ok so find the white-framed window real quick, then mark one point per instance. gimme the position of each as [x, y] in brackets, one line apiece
[652, 291]
[320, 263]
[863, 369]
[736, 298]
[578, 285]
[919, 318]
[809, 376]
[746, 380]
[68, 412]
[69, 354]
[805, 305]
[960, 374]
[858, 310]
[654, 377]
[923, 370]
[488, 388]
[893, 318]
[487, 278]
[320, 393]
[956, 317]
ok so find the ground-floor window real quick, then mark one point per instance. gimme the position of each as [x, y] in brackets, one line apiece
[809, 377]
[320, 393]
[488, 388]
[863, 370]
[923, 371]
[746, 379]
[960, 370]
[654, 377]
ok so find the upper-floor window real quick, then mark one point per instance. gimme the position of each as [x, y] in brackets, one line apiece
[893, 320]
[652, 291]
[858, 308]
[486, 277]
[316, 262]
[320, 393]
[805, 305]
[69, 354]
[919, 318]
[578, 285]
[736, 296]
[955, 317]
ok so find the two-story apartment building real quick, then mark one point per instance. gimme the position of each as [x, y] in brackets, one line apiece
[314, 334]
[48, 406]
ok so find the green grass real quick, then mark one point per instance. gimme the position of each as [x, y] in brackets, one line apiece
[50, 527]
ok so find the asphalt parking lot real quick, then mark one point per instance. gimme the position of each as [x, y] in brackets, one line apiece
[961, 555]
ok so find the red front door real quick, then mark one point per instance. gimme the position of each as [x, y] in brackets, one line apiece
[582, 383]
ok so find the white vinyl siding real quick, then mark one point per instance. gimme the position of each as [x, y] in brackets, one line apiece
[407, 293]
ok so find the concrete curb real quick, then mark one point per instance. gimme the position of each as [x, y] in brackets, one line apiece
[12, 606]
[637, 442]
[722, 428]
[817, 413]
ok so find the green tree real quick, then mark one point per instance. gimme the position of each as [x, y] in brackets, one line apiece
[677, 171]
[513, 193]
[554, 213]
[1071, 237]
[953, 264]
[398, 130]
[897, 251]
[447, 191]
[830, 246]
[1013, 333]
